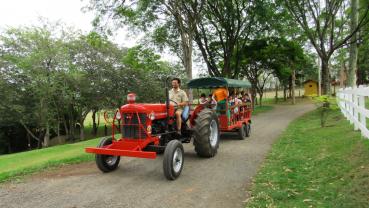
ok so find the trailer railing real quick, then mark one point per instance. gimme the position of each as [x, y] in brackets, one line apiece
[352, 104]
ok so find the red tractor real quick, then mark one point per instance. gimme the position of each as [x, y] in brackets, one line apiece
[150, 129]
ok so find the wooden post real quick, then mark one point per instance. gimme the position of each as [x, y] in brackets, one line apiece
[355, 108]
[349, 105]
[362, 105]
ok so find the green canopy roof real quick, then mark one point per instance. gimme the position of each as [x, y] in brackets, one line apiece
[213, 82]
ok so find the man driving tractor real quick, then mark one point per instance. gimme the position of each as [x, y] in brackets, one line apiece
[180, 98]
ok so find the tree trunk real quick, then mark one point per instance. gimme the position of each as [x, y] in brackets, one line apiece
[72, 126]
[66, 127]
[353, 46]
[342, 75]
[290, 87]
[276, 92]
[284, 92]
[293, 86]
[94, 124]
[39, 141]
[47, 136]
[260, 98]
[29, 141]
[326, 78]
[81, 131]
[187, 59]
[253, 97]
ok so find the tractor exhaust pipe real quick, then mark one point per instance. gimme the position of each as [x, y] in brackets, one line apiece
[167, 101]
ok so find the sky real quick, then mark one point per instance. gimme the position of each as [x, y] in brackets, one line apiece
[17, 13]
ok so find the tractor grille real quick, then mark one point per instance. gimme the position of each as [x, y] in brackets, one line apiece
[131, 128]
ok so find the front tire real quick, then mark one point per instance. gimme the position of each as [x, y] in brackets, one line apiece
[206, 133]
[173, 159]
[106, 163]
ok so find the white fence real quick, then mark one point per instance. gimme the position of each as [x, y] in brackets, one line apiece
[352, 104]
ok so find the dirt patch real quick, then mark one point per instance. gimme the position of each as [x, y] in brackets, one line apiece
[66, 171]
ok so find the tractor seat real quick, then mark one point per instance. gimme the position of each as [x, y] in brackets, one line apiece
[186, 113]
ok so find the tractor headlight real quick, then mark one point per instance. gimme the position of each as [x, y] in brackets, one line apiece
[118, 116]
[131, 97]
[152, 116]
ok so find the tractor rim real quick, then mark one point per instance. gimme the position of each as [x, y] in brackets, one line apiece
[177, 160]
[213, 133]
[111, 160]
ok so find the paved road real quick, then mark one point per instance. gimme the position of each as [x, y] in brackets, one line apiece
[221, 181]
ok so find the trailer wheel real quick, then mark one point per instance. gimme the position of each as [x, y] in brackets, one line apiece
[206, 133]
[173, 160]
[106, 163]
[243, 131]
[248, 132]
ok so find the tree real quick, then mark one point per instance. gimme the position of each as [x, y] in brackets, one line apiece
[325, 25]
[34, 54]
[168, 22]
[223, 32]
[150, 72]
[363, 50]
[271, 56]
[353, 44]
[96, 61]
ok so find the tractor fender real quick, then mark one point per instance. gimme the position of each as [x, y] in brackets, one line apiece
[194, 114]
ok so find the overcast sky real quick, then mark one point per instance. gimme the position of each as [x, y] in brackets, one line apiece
[27, 12]
[16, 13]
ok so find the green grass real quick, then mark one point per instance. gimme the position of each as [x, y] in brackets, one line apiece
[261, 109]
[310, 166]
[19, 164]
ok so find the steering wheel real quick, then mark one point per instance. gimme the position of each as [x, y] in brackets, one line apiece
[176, 104]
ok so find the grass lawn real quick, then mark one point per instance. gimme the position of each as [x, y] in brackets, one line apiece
[261, 109]
[310, 166]
[19, 164]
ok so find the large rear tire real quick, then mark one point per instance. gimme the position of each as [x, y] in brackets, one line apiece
[173, 159]
[206, 133]
[106, 163]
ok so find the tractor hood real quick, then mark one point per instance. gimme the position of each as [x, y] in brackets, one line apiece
[159, 110]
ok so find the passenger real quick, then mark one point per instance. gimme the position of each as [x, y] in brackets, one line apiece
[241, 95]
[212, 102]
[235, 101]
[246, 98]
[231, 98]
[220, 95]
[180, 97]
[203, 99]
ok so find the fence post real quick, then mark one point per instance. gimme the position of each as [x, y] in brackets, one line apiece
[362, 105]
[350, 108]
[341, 101]
[355, 108]
[347, 105]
